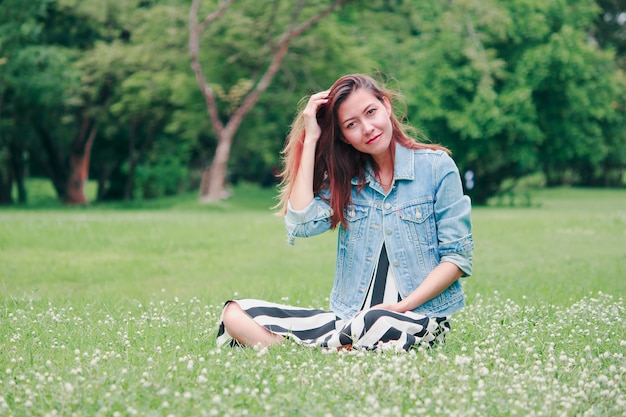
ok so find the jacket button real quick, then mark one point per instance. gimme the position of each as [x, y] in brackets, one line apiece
[396, 263]
[389, 231]
[387, 206]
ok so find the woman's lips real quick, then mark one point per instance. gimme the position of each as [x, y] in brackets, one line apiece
[373, 139]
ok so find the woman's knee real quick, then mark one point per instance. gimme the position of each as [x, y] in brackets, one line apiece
[232, 315]
[244, 329]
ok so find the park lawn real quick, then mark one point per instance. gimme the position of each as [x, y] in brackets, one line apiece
[113, 309]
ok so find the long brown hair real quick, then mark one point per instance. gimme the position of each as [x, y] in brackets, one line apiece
[336, 161]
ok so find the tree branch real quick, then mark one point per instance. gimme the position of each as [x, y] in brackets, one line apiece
[296, 12]
[292, 33]
[213, 15]
[279, 53]
[251, 98]
[194, 47]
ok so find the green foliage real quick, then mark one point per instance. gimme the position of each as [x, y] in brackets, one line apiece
[165, 171]
[40, 77]
[610, 30]
[234, 51]
[513, 88]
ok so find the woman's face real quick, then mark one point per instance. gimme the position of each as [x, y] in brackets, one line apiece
[365, 122]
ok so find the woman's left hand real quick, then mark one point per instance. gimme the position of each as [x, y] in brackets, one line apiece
[435, 283]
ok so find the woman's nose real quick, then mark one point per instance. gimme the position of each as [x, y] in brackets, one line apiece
[367, 128]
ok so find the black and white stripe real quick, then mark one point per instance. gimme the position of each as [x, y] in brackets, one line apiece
[370, 329]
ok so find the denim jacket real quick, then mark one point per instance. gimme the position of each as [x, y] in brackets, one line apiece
[423, 220]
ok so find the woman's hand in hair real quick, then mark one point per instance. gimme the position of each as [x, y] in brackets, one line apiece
[301, 193]
[312, 130]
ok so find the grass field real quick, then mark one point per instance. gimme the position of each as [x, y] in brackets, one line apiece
[111, 310]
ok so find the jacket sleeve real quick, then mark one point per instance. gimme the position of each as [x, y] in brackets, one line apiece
[452, 211]
[310, 221]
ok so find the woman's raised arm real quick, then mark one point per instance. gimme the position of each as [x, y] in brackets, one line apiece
[302, 190]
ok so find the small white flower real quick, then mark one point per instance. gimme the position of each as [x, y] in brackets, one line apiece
[462, 360]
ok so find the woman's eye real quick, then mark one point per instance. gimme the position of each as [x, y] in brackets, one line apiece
[371, 111]
[349, 125]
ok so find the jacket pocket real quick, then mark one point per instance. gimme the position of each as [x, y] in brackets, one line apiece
[356, 217]
[419, 221]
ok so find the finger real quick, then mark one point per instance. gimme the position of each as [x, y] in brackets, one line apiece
[321, 95]
[318, 99]
[315, 102]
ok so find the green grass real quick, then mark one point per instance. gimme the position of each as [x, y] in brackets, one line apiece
[112, 310]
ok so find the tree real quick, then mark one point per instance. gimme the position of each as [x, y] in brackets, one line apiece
[35, 78]
[512, 87]
[246, 92]
[42, 40]
[145, 77]
[102, 88]
[18, 28]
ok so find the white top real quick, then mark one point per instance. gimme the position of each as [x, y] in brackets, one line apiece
[391, 295]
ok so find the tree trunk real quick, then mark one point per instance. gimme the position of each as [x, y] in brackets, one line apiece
[212, 184]
[17, 170]
[103, 177]
[132, 162]
[79, 168]
[55, 167]
[213, 177]
[6, 183]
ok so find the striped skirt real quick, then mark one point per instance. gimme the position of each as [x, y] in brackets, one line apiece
[370, 329]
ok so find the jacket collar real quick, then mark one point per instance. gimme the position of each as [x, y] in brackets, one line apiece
[404, 166]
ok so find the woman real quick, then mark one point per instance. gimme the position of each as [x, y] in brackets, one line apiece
[404, 228]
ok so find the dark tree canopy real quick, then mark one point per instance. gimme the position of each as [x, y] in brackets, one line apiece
[104, 89]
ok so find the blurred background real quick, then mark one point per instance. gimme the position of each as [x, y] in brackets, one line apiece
[138, 99]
